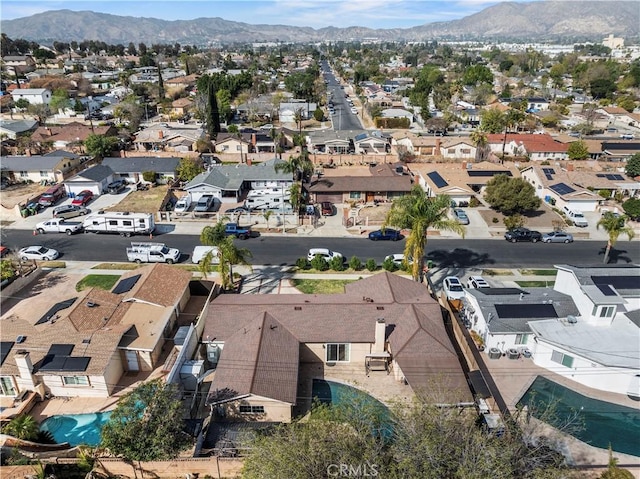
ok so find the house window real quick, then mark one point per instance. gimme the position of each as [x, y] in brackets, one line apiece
[24, 174]
[44, 174]
[607, 311]
[465, 151]
[561, 358]
[522, 338]
[252, 409]
[238, 147]
[338, 352]
[6, 386]
[355, 195]
[451, 151]
[75, 380]
[224, 147]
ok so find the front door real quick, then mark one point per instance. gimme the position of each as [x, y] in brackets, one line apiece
[132, 361]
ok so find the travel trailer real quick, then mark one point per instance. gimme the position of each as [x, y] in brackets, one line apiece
[122, 223]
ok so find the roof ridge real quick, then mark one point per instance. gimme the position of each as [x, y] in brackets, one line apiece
[258, 349]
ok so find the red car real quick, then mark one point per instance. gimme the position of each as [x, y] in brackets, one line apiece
[82, 198]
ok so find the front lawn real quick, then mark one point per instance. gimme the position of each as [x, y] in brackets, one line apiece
[535, 284]
[101, 281]
[320, 286]
[146, 201]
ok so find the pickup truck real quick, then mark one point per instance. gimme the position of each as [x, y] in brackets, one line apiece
[237, 231]
[59, 225]
[152, 253]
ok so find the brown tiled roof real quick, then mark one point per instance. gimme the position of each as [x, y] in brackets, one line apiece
[96, 310]
[159, 284]
[71, 132]
[533, 143]
[262, 359]
[413, 319]
[182, 102]
[361, 183]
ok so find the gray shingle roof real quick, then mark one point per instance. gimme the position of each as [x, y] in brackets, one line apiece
[29, 163]
[95, 173]
[138, 164]
[231, 177]
[62, 154]
[18, 126]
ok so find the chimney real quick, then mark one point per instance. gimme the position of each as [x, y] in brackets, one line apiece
[380, 336]
[437, 148]
[123, 154]
[253, 139]
[160, 134]
[464, 165]
[569, 166]
[25, 368]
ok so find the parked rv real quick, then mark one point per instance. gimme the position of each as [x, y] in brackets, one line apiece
[122, 223]
[152, 253]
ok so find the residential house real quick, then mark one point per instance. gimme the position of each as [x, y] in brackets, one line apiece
[558, 186]
[69, 135]
[619, 150]
[54, 166]
[381, 325]
[533, 146]
[240, 143]
[381, 182]
[229, 183]
[457, 148]
[181, 106]
[288, 110]
[534, 104]
[95, 179]
[180, 83]
[131, 168]
[165, 137]
[599, 346]
[35, 96]
[371, 143]
[501, 316]
[618, 116]
[398, 113]
[261, 108]
[332, 142]
[20, 64]
[418, 145]
[14, 128]
[81, 346]
[460, 181]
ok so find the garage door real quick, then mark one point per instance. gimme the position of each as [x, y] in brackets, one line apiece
[75, 187]
[332, 197]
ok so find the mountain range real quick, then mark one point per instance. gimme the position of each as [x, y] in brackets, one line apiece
[548, 20]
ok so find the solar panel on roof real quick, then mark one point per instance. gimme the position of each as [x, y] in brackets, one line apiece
[126, 284]
[5, 347]
[606, 290]
[526, 311]
[76, 364]
[52, 363]
[548, 171]
[60, 349]
[500, 291]
[562, 188]
[54, 309]
[617, 177]
[488, 173]
[438, 180]
[618, 282]
[549, 177]
[601, 175]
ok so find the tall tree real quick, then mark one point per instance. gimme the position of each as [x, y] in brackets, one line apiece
[160, 84]
[418, 212]
[146, 425]
[100, 146]
[578, 150]
[511, 195]
[228, 253]
[213, 115]
[479, 139]
[614, 226]
[632, 168]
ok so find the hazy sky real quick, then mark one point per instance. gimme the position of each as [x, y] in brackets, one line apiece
[308, 13]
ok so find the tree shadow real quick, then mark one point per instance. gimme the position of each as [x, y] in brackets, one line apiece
[616, 255]
[458, 258]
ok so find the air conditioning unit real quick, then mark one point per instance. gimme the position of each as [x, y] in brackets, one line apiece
[572, 319]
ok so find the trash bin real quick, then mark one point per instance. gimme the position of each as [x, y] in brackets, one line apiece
[429, 264]
[24, 212]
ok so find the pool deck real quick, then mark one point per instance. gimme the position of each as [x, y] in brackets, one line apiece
[514, 376]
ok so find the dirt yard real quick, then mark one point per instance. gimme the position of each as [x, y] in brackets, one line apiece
[542, 218]
[148, 201]
[19, 193]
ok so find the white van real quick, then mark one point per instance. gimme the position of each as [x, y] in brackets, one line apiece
[183, 204]
[577, 217]
[200, 252]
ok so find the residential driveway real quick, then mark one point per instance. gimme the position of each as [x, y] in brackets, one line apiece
[101, 202]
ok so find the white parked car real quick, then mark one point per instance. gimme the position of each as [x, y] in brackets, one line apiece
[183, 204]
[200, 252]
[38, 252]
[477, 282]
[327, 254]
[453, 287]
[398, 259]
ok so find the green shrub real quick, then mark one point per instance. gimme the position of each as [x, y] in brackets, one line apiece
[495, 220]
[302, 263]
[149, 176]
[319, 263]
[355, 263]
[6, 269]
[337, 263]
[473, 202]
[371, 265]
[389, 265]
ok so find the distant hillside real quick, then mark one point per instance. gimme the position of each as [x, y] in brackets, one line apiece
[547, 20]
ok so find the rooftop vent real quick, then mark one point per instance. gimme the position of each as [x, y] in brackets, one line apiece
[297, 308]
[91, 304]
[20, 339]
[86, 341]
[380, 308]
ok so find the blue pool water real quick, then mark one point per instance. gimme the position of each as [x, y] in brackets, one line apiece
[76, 429]
[330, 392]
[603, 423]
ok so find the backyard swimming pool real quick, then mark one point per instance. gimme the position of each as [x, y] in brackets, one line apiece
[76, 429]
[604, 423]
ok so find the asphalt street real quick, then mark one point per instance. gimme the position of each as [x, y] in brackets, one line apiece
[281, 250]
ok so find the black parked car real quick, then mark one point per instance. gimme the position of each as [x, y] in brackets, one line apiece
[522, 234]
[116, 187]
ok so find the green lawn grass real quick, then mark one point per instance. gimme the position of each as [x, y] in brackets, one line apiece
[320, 286]
[535, 284]
[102, 281]
[117, 266]
[538, 272]
[497, 272]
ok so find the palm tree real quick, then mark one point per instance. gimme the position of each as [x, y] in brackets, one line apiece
[418, 212]
[297, 117]
[228, 253]
[23, 427]
[614, 226]
[479, 139]
[267, 216]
